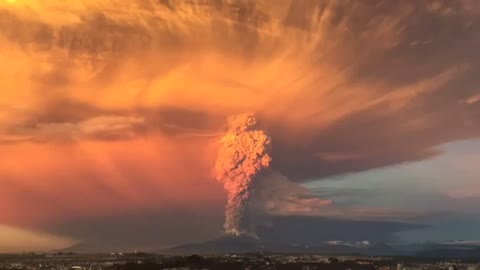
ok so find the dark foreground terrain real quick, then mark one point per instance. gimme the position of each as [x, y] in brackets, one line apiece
[144, 261]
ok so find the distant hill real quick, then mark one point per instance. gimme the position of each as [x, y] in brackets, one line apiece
[221, 245]
[457, 250]
[382, 249]
[93, 248]
[244, 244]
[230, 244]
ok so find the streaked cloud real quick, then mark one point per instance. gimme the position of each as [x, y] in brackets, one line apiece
[99, 128]
[138, 93]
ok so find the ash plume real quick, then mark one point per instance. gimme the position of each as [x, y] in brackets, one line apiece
[244, 153]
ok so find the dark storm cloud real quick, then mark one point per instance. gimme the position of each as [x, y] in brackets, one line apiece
[315, 230]
[159, 230]
[153, 230]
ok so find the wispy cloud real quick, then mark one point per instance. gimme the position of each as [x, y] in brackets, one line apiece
[143, 89]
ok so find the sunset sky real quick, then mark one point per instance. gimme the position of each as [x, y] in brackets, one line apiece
[111, 113]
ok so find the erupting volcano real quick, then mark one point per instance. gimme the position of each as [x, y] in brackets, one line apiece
[244, 153]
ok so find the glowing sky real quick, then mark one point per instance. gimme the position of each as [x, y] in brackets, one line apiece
[111, 111]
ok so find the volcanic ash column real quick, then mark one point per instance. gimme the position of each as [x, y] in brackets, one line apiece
[244, 152]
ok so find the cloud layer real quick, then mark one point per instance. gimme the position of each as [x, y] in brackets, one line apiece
[109, 106]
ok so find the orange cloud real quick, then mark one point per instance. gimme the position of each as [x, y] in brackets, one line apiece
[109, 106]
[45, 184]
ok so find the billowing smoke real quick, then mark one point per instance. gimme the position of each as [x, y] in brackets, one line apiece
[244, 153]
